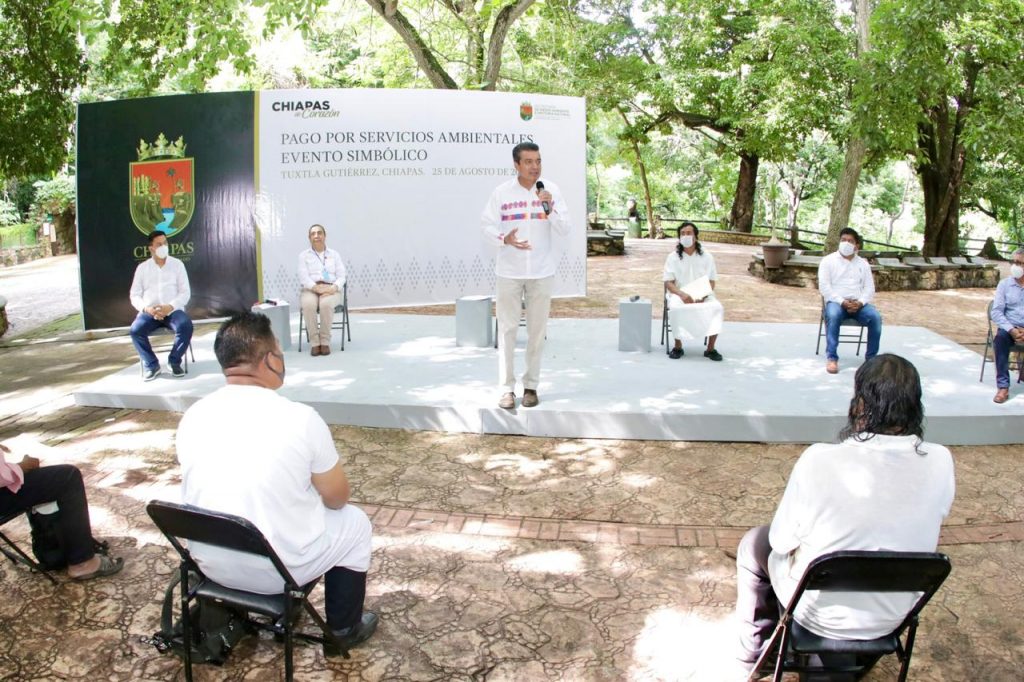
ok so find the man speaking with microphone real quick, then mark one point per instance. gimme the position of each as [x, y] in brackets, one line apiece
[519, 220]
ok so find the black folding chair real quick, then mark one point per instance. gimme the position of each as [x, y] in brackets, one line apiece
[340, 320]
[15, 553]
[792, 646]
[1017, 348]
[850, 337]
[185, 522]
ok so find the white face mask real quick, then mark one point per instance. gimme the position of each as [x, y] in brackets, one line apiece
[161, 252]
[686, 240]
[847, 249]
[1016, 271]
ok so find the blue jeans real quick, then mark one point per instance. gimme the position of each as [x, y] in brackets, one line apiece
[867, 316]
[145, 324]
[1001, 345]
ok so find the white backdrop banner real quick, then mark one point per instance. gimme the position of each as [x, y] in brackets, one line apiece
[399, 179]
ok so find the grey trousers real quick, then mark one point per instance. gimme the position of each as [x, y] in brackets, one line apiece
[757, 607]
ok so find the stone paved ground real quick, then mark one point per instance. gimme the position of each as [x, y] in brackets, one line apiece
[499, 557]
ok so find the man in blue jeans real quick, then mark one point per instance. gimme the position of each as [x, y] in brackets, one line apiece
[159, 292]
[848, 288]
[1008, 316]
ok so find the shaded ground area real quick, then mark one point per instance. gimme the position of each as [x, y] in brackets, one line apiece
[499, 557]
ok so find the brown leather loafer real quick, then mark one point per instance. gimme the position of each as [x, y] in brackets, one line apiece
[530, 398]
[1002, 395]
[508, 401]
[832, 367]
[325, 350]
[314, 351]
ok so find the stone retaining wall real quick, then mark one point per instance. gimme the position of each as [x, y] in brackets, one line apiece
[606, 242]
[23, 254]
[730, 237]
[886, 279]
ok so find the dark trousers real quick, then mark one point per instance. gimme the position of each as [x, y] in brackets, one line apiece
[757, 607]
[60, 483]
[1001, 345]
[145, 324]
[344, 593]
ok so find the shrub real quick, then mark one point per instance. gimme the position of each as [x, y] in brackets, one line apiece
[21, 234]
[8, 213]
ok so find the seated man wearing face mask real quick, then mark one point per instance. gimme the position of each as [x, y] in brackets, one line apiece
[693, 310]
[159, 292]
[847, 287]
[1008, 315]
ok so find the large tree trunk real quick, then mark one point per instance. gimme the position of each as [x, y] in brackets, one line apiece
[64, 225]
[941, 187]
[856, 148]
[846, 189]
[741, 217]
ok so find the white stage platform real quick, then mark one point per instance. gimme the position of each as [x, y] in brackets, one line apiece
[405, 371]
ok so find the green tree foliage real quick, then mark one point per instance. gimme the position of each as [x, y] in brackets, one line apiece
[948, 76]
[40, 67]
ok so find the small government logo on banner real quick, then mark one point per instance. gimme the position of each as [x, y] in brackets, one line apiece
[526, 111]
[161, 192]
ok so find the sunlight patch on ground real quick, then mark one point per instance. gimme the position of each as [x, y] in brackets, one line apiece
[675, 645]
[564, 561]
[519, 464]
[639, 480]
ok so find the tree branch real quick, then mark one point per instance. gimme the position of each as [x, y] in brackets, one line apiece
[502, 23]
[422, 53]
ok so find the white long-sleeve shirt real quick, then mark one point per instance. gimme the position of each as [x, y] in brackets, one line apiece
[513, 206]
[155, 285]
[321, 267]
[840, 279]
[878, 494]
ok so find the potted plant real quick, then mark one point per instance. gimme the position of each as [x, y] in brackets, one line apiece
[775, 251]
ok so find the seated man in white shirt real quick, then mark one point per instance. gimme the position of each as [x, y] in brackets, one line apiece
[881, 487]
[848, 288]
[247, 451]
[689, 266]
[322, 274]
[159, 292]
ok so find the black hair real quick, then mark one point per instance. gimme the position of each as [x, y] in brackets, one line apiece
[244, 339]
[852, 232]
[523, 147]
[886, 400]
[153, 235]
[696, 241]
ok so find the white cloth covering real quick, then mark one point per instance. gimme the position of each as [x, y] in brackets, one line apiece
[692, 320]
[879, 494]
[155, 285]
[513, 206]
[247, 451]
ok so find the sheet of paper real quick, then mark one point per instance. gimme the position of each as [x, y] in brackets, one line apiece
[698, 288]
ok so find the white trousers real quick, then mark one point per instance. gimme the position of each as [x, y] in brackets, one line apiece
[511, 294]
[694, 320]
[347, 542]
[311, 303]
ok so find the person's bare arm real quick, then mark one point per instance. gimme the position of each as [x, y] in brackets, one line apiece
[332, 486]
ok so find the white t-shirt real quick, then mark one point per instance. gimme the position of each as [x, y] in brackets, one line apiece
[513, 206]
[690, 267]
[879, 494]
[247, 451]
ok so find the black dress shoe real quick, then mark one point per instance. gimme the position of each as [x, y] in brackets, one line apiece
[675, 353]
[358, 633]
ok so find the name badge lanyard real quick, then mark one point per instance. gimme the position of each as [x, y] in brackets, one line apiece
[324, 275]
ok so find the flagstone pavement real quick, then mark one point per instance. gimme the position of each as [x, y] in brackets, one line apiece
[501, 557]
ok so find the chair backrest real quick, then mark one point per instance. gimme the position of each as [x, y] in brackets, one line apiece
[186, 522]
[876, 571]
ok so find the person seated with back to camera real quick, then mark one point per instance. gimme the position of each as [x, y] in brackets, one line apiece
[690, 266]
[27, 485]
[881, 487]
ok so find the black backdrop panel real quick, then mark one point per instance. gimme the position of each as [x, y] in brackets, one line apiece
[218, 242]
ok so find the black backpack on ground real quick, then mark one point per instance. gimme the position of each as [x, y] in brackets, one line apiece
[215, 628]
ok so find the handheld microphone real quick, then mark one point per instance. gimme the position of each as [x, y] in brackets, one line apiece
[544, 204]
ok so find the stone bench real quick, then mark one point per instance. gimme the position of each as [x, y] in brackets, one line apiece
[803, 272]
[606, 242]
